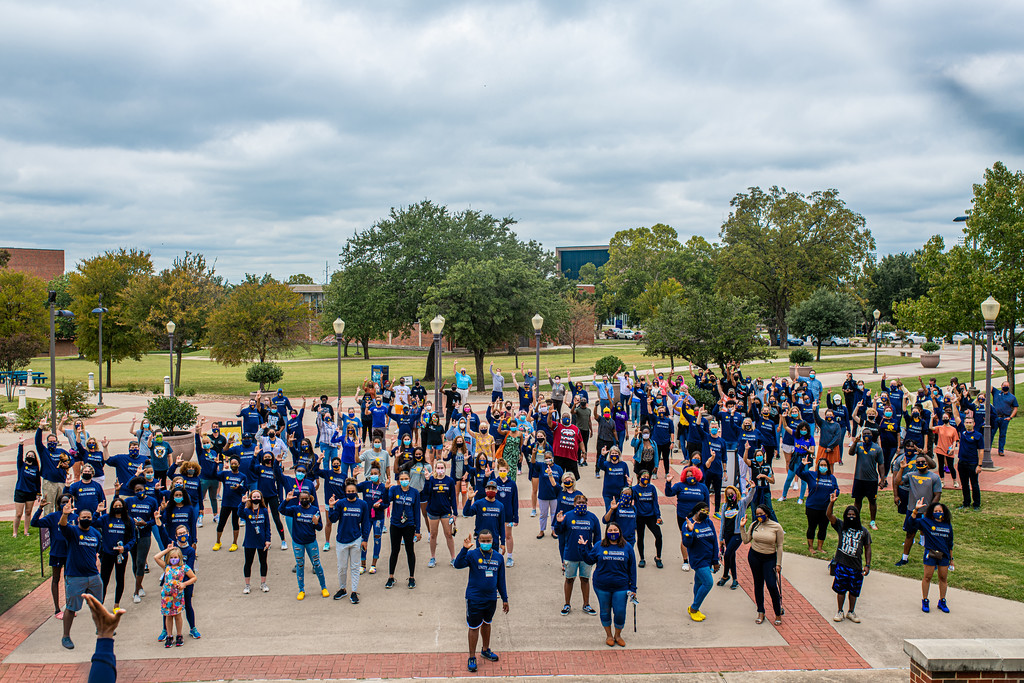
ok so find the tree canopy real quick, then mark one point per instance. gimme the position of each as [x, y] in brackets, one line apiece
[892, 280]
[348, 296]
[24, 327]
[257, 321]
[825, 313]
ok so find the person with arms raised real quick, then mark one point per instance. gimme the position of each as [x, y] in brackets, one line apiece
[486, 581]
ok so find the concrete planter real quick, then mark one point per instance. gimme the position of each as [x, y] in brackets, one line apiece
[1018, 351]
[183, 443]
[929, 360]
[797, 371]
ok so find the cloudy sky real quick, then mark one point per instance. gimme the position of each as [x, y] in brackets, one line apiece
[264, 133]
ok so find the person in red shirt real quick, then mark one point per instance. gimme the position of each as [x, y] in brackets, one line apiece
[567, 444]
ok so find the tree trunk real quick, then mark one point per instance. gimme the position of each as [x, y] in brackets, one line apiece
[478, 355]
[574, 353]
[177, 370]
[366, 348]
[345, 347]
[819, 352]
[672, 362]
[783, 332]
[108, 372]
[428, 374]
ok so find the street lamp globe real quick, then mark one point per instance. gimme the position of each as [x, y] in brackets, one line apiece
[877, 313]
[437, 324]
[171, 327]
[990, 309]
[538, 322]
[339, 326]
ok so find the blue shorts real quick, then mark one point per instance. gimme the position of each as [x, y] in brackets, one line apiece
[847, 580]
[573, 568]
[909, 523]
[57, 561]
[479, 613]
[932, 562]
[497, 396]
[74, 586]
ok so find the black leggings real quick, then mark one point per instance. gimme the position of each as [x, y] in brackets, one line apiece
[250, 555]
[714, 484]
[398, 535]
[665, 455]
[367, 424]
[946, 461]
[888, 452]
[816, 519]
[969, 482]
[644, 522]
[763, 568]
[140, 551]
[273, 502]
[585, 436]
[729, 557]
[225, 513]
[108, 564]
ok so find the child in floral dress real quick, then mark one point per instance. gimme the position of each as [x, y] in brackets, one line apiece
[177, 575]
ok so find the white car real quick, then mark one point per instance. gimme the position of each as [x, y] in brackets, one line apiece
[624, 334]
[960, 337]
[915, 338]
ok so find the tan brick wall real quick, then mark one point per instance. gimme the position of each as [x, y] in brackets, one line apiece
[919, 675]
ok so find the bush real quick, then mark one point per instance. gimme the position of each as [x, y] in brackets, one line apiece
[73, 399]
[3, 422]
[157, 389]
[186, 390]
[29, 416]
[171, 414]
[800, 356]
[930, 347]
[264, 374]
[608, 365]
[704, 398]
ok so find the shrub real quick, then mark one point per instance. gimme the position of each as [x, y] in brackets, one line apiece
[800, 356]
[3, 422]
[264, 374]
[171, 414]
[930, 347]
[29, 416]
[186, 390]
[73, 399]
[608, 365]
[704, 398]
[157, 389]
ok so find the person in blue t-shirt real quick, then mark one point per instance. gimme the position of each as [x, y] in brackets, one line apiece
[689, 493]
[616, 477]
[614, 579]
[58, 546]
[968, 465]
[573, 526]
[486, 581]
[81, 575]
[1004, 406]
[702, 542]
[253, 511]
[936, 526]
[87, 493]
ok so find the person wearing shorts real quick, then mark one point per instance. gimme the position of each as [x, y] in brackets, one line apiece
[80, 572]
[572, 526]
[868, 471]
[846, 566]
[486, 581]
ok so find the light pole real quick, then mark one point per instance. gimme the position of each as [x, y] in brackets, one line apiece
[52, 299]
[339, 329]
[989, 311]
[877, 314]
[170, 351]
[99, 310]
[538, 323]
[437, 326]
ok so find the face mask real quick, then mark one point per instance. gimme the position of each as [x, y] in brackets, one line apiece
[374, 478]
[823, 469]
[566, 421]
[730, 497]
[691, 480]
[1006, 390]
[580, 509]
[336, 467]
[486, 546]
[888, 413]
[299, 476]
[183, 541]
[179, 499]
[404, 483]
[116, 511]
[937, 516]
[439, 471]
[646, 435]
[86, 477]
[502, 475]
[714, 431]
[491, 494]
[84, 523]
[376, 446]
[860, 386]
[762, 518]
[851, 519]
[462, 425]
[140, 494]
[145, 425]
[406, 442]
[922, 467]
[759, 459]
[945, 418]
[645, 481]
[149, 476]
[613, 536]
[812, 375]
[803, 433]
[257, 501]
[52, 447]
[268, 462]
[829, 418]
[304, 503]
[174, 561]
[158, 439]
[625, 500]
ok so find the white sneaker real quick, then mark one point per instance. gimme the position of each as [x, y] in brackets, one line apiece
[799, 501]
[510, 562]
[284, 545]
[246, 589]
[533, 512]
[852, 616]
[199, 523]
[686, 566]
[142, 593]
[839, 616]
[327, 546]
[216, 517]
[136, 599]
[781, 499]
[265, 588]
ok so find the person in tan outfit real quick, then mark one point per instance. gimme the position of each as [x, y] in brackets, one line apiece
[766, 538]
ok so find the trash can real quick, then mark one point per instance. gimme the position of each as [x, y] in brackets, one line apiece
[379, 374]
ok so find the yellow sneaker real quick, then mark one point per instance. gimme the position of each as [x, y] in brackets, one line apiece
[696, 615]
[216, 546]
[326, 593]
[233, 548]
[301, 595]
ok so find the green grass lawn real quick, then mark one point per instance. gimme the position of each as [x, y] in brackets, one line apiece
[986, 551]
[19, 565]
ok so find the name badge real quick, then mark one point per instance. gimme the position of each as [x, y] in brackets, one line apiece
[489, 574]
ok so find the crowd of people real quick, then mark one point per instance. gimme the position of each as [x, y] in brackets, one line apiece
[389, 462]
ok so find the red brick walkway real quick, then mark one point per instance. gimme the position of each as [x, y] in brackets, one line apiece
[812, 644]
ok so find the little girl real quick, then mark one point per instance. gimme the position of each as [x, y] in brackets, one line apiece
[177, 575]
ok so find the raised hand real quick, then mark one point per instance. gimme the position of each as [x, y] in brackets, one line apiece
[105, 442]
[689, 524]
[468, 542]
[560, 517]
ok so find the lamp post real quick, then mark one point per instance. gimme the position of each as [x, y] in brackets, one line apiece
[170, 351]
[538, 323]
[54, 312]
[989, 311]
[99, 310]
[339, 329]
[437, 326]
[877, 314]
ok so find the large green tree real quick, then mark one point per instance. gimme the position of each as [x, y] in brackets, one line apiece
[348, 296]
[825, 313]
[64, 327]
[778, 246]
[490, 302]
[892, 280]
[706, 329]
[186, 293]
[111, 274]
[258, 320]
[417, 246]
[24, 329]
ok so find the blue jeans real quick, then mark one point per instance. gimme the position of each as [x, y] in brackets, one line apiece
[790, 475]
[621, 439]
[329, 452]
[612, 602]
[634, 411]
[348, 470]
[702, 582]
[378, 531]
[301, 550]
[209, 487]
[1001, 424]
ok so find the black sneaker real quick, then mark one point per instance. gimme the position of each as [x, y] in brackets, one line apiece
[642, 564]
[471, 664]
[489, 654]
[179, 640]
[390, 583]
[722, 581]
[566, 609]
[341, 593]
[354, 598]
[587, 609]
[412, 583]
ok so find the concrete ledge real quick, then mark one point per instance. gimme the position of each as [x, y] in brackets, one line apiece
[955, 655]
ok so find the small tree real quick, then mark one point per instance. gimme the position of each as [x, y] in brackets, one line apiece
[822, 315]
[800, 356]
[264, 374]
[171, 414]
[608, 365]
[929, 347]
[23, 328]
[259, 320]
[578, 324]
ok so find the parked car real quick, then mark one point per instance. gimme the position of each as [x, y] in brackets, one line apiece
[794, 341]
[960, 337]
[638, 335]
[609, 333]
[915, 338]
[625, 334]
[836, 341]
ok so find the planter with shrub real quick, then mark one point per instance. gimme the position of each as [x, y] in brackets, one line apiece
[929, 355]
[800, 357]
[174, 418]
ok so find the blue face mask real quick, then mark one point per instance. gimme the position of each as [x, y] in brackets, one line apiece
[823, 469]
[486, 546]
[613, 536]
[580, 509]
[179, 499]
[374, 478]
[714, 430]
[404, 483]
[299, 476]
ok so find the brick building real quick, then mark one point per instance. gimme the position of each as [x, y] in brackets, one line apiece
[43, 263]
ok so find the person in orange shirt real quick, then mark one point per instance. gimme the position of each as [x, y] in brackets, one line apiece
[947, 444]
